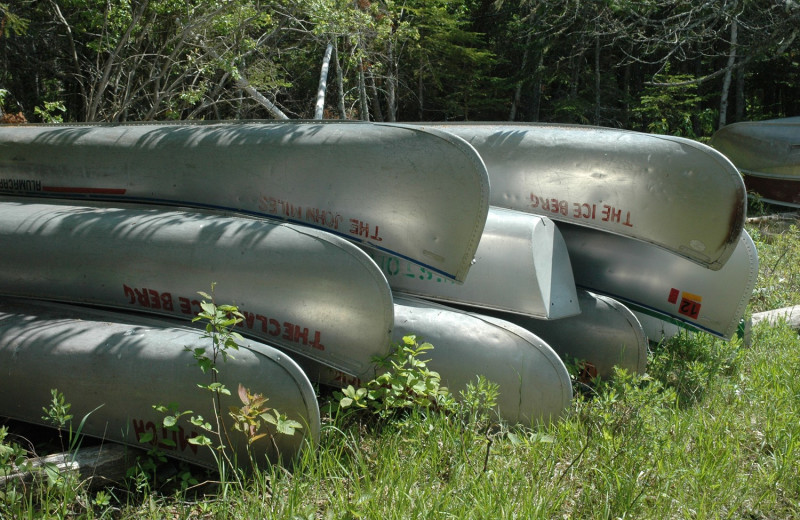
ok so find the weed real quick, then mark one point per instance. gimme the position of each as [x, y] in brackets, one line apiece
[248, 419]
[405, 382]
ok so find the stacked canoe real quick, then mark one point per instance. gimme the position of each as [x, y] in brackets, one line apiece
[768, 155]
[514, 249]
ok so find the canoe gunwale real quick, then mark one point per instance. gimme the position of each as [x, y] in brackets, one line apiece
[125, 335]
[266, 152]
[710, 247]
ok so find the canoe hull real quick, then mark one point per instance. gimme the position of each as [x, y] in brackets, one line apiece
[771, 147]
[302, 289]
[650, 280]
[389, 187]
[521, 266]
[768, 154]
[605, 334]
[534, 383]
[774, 190]
[113, 367]
[618, 181]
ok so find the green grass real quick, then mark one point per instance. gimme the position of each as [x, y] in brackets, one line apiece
[712, 431]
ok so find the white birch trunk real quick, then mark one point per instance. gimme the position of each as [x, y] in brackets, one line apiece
[726, 82]
[323, 82]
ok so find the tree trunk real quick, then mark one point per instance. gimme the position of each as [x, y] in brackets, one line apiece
[597, 80]
[376, 100]
[260, 99]
[726, 81]
[323, 82]
[740, 100]
[512, 115]
[102, 83]
[362, 92]
[391, 84]
[536, 103]
[421, 90]
[340, 84]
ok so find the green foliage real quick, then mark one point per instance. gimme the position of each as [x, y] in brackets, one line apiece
[49, 112]
[675, 110]
[254, 410]
[58, 412]
[248, 419]
[778, 284]
[405, 382]
[692, 363]
[13, 459]
[11, 23]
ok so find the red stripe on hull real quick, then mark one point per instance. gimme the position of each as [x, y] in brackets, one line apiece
[90, 191]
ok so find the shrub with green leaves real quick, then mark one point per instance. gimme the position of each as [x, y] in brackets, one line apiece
[405, 382]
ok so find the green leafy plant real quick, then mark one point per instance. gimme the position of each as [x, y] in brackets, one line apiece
[51, 112]
[13, 459]
[248, 419]
[405, 381]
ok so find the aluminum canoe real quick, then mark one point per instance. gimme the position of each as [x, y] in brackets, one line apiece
[658, 330]
[669, 191]
[534, 383]
[113, 367]
[605, 334]
[521, 266]
[768, 154]
[299, 288]
[418, 194]
[651, 280]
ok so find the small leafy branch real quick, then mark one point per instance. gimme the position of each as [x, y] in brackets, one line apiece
[248, 419]
[405, 382]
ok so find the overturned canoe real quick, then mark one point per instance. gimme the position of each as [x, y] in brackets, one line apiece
[521, 266]
[675, 193]
[534, 383]
[421, 195]
[605, 334]
[299, 288]
[650, 280]
[113, 367]
[659, 330]
[768, 154]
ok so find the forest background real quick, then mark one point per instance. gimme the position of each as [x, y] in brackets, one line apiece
[680, 67]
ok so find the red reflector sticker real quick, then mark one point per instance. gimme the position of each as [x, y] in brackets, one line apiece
[673, 296]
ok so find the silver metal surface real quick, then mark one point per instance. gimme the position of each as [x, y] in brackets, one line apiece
[672, 192]
[299, 288]
[534, 383]
[657, 329]
[605, 334]
[651, 280]
[768, 148]
[421, 195]
[112, 368]
[521, 266]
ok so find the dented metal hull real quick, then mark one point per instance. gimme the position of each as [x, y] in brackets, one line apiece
[675, 193]
[605, 334]
[390, 187]
[521, 266]
[650, 280]
[301, 289]
[534, 383]
[768, 154]
[113, 367]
